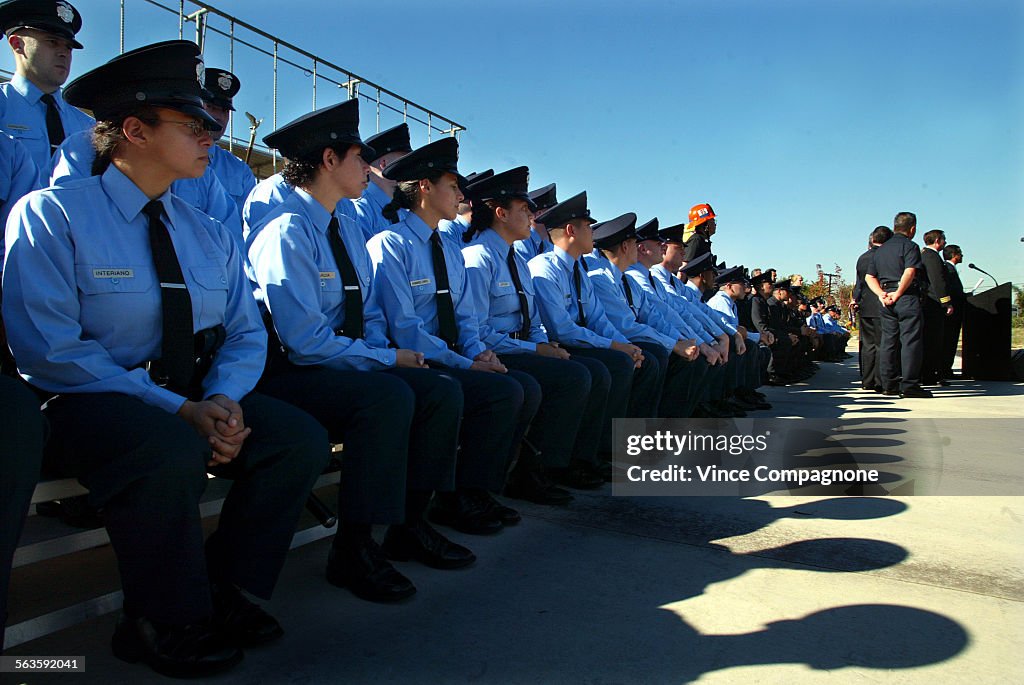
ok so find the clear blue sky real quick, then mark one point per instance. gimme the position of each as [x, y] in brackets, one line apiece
[804, 124]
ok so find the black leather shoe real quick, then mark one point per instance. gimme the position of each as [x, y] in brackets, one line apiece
[242, 623]
[579, 475]
[535, 486]
[361, 567]
[915, 391]
[192, 651]
[507, 515]
[465, 511]
[891, 393]
[418, 540]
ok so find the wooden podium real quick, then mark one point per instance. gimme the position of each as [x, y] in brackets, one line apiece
[986, 342]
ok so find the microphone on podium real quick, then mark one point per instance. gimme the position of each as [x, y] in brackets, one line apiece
[971, 266]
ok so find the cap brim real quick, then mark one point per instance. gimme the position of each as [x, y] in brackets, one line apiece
[51, 30]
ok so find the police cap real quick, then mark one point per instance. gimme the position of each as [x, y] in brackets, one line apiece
[334, 126]
[57, 17]
[221, 86]
[608, 234]
[395, 139]
[504, 186]
[564, 212]
[544, 198]
[439, 156]
[648, 230]
[163, 74]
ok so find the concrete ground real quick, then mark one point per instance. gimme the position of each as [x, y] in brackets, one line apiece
[674, 590]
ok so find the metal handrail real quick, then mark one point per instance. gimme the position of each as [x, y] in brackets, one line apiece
[352, 82]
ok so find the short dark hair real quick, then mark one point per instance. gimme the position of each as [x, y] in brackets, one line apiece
[949, 250]
[881, 234]
[933, 236]
[904, 223]
[108, 134]
[302, 170]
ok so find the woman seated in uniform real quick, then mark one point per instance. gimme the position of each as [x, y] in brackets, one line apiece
[420, 281]
[398, 420]
[133, 311]
[502, 292]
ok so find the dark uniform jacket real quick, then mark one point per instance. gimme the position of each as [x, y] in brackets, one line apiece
[891, 259]
[862, 295]
[695, 246]
[954, 288]
[780, 318]
[934, 284]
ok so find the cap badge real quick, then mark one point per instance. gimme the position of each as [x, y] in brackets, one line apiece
[224, 81]
[65, 13]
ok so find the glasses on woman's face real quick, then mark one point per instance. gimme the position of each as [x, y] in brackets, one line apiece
[198, 128]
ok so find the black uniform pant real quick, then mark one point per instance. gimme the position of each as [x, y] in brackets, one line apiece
[146, 470]
[21, 453]
[399, 429]
[493, 413]
[950, 338]
[934, 315]
[869, 341]
[565, 394]
[901, 331]
[648, 381]
[683, 386]
[619, 373]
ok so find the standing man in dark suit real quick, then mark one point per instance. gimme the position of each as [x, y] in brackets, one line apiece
[935, 305]
[892, 276]
[870, 329]
[955, 289]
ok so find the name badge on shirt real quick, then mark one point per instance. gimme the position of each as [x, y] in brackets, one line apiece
[113, 273]
[328, 274]
[503, 284]
[19, 127]
[419, 282]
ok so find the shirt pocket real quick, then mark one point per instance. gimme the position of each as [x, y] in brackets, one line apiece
[212, 294]
[110, 295]
[503, 296]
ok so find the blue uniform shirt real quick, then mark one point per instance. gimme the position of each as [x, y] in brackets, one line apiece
[728, 316]
[299, 282]
[23, 116]
[453, 230]
[18, 176]
[831, 325]
[528, 248]
[234, 174]
[81, 297]
[73, 160]
[680, 315]
[269, 193]
[636, 322]
[556, 295]
[676, 288]
[494, 295]
[404, 280]
[367, 211]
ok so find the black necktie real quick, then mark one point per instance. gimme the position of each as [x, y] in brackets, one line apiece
[540, 249]
[177, 362]
[629, 295]
[54, 127]
[650, 277]
[577, 282]
[447, 329]
[524, 304]
[353, 326]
